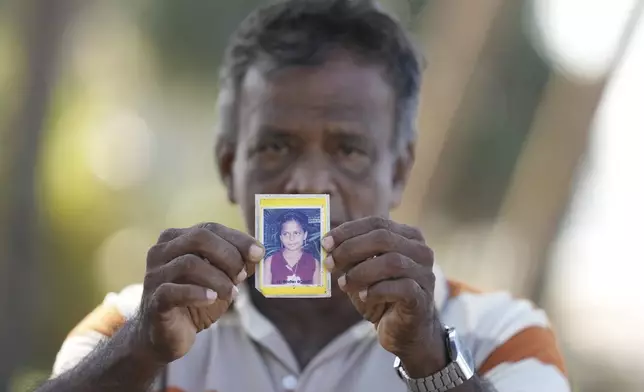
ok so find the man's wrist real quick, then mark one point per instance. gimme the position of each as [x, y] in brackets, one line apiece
[140, 345]
[121, 363]
[429, 357]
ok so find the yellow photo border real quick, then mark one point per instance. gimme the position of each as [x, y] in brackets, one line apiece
[293, 201]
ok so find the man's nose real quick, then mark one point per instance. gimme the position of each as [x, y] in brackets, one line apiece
[311, 177]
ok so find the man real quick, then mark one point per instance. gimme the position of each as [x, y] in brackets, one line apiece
[316, 97]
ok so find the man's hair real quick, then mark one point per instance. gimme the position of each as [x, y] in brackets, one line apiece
[302, 32]
[295, 216]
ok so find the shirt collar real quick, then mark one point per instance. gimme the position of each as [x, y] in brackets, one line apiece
[259, 327]
[263, 332]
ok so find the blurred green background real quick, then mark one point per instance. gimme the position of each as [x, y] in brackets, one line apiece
[107, 113]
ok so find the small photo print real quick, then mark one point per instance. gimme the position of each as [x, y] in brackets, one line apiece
[290, 227]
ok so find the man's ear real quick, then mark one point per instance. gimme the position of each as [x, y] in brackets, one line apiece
[401, 171]
[225, 157]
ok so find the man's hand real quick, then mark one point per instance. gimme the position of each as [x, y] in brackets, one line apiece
[190, 281]
[387, 272]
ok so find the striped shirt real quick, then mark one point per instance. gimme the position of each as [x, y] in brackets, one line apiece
[511, 342]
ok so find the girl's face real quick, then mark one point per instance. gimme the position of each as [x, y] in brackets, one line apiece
[292, 235]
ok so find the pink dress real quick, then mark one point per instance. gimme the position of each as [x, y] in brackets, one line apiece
[302, 272]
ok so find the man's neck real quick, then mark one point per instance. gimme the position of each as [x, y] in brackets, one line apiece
[308, 325]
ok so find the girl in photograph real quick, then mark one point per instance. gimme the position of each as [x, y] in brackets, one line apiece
[292, 264]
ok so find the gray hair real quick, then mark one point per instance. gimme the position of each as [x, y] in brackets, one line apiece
[301, 32]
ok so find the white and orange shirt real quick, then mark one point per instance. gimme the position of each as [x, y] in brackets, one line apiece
[511, 342]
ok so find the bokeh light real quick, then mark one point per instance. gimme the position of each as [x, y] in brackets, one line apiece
[581, 37]
[202, 204]
[124, 251]
[120, 150]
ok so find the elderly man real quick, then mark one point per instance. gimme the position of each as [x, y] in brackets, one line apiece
[316, 97]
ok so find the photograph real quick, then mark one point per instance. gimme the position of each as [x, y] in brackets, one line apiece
[290, 227]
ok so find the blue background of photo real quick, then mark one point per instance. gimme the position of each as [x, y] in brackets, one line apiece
[272, 230]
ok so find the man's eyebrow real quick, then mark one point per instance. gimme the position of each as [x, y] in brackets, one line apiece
[352, 134]
[344, 128]
[271, 131]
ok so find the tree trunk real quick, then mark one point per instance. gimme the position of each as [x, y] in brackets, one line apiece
[41, 30]
[453, 41]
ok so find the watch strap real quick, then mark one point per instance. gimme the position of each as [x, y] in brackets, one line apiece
[448, 378]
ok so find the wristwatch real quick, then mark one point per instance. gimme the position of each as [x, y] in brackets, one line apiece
[459, 370]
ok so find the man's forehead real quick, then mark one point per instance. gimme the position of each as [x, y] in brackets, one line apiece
[340, 89]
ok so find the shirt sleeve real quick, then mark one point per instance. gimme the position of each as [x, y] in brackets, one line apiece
[528, 361]
[511, 341]
[101, 323]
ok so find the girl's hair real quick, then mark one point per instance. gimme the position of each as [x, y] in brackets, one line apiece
[294, 215]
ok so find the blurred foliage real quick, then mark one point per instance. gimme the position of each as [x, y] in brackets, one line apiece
[28, 380]
[79, 214]
[11, 73]
[189, 36]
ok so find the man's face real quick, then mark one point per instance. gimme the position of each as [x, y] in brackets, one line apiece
[322, 130]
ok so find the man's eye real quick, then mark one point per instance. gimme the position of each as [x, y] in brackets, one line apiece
[354, 159]
[273, 148]
[351, 151]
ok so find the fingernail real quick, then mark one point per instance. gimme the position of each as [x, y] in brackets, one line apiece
[342, 281]
[242, 276]
[235, 293]
[363, 295]
[327, 243]
[329, 263]
[211, 295]
[256, 253]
